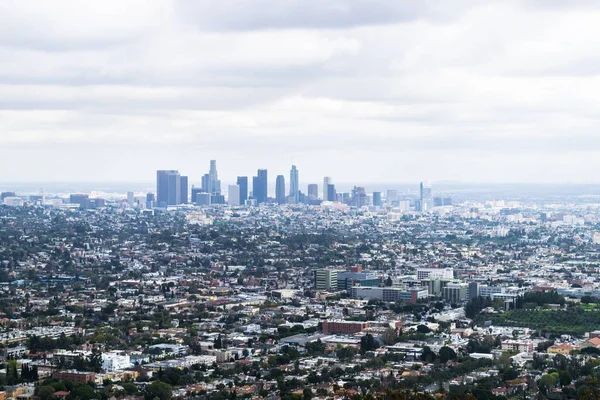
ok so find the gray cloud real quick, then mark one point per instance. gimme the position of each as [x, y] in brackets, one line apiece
[499, 91]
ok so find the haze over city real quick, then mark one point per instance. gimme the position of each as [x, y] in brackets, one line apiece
[363, 91]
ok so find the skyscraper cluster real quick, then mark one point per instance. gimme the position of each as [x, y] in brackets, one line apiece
[172, 190]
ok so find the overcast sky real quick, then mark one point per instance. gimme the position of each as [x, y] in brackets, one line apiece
[360, 90]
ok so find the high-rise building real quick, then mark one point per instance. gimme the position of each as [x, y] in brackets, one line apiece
[359, 196]
[168, 188]
[259, 186]
[294, 184]
[377, 199]
[205, 184]
[183, 190]
[280, 189]
[391, 196]
[426, 196]
[233, 195]
[326, 279]
[313, 191]
[331, 194]
[83, 200]
[195, 191]
[215, 183]
[203, 199]
[130, 199]
[150, 200]
[326, 182]
[242, 182]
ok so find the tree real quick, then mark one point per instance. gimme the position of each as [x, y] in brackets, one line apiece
[368, 343]
[159, 390]
[423, 329]
[564, 378]
[388, 281]
[12, 375]
[346, 353]
[447, 354]
[83, 392]
[307, 394]
[95, 360]
[44, 392]
[389, 337]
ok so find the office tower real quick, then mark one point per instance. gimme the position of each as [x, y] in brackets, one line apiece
[259, 186]
[326, 182]
[205, 184]
[150, 200]
[326, 279]
[195, 192]
[359, 196]
[217, 199]
[203, 199]
[83, 200]
[313, 191]
[294, 184]
[4, 195]
[168, 188]
[215, 183]
[331, 194]
[391, 196]
[183, 190]
[233, 195]
[377, 199]
[426, 197]
[447, 201]
[242, 182]
[280, 189]
[130, 199]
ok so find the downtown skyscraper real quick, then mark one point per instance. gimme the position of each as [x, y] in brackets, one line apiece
[259, 186]
[171, 188]
[294, 184]
[280, 190]
[242, 182]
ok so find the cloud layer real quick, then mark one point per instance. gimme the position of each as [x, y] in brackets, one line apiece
[381, 91]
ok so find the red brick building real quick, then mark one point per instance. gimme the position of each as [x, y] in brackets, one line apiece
[344, 327]
[74, 376]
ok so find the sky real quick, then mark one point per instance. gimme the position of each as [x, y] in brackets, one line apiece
[359, 90]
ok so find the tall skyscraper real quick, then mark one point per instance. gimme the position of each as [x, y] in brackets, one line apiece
[242, 182]
[183, 190]
[130, 199]
[215, 183]
[195, 192]
[233, 195]
[326, 182]
[426, 196]
[168, 188]
[377, 199]
[313, 191]
[359, 196]
[331, 193]
[205, 184]
[280, 189]
[391, 196]
[294, 184]
[259, 186]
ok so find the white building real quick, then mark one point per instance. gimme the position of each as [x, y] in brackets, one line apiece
[435, 273]
[233, 195]
[115, 361]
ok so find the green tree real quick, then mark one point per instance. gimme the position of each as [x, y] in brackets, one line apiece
[44, 392]
[447, 354]
[82, 391]
[95, 360]
[159, 390]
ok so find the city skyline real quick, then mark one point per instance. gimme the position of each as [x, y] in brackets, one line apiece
[400, 86]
